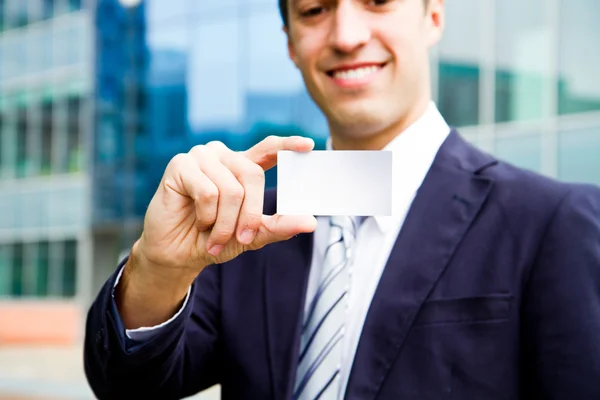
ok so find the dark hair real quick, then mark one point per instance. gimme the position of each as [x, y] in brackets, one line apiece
[283, 10]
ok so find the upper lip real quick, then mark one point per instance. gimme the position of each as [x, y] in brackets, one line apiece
[348, 67]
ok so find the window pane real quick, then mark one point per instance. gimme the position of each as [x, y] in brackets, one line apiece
[29, 269]
[4, 54]
[5, 269]
[74, 128]
[578, 159]
[216, 96]
[459, 72]
[458, 96]
[171, 11]
[21, 166]
[579, 58]
[48, 9]
[2, 5]
[16, 13]
[522, 151]
[69, 268]
[2, 138]
[274, 103]
[74, 5]
[17, 270]
[46, 164]
[55, 268]
[524, 59]
[42, 268]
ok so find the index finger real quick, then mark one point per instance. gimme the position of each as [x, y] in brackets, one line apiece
[264, 153]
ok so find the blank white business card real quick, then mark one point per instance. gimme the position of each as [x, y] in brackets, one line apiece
[334, 183]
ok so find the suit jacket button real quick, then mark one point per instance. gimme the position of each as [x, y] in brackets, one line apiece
[99, 336]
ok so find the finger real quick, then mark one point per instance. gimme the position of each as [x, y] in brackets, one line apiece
[252, 178]
[275, 228]
[231, 196]
[264, 153]
[186, 179]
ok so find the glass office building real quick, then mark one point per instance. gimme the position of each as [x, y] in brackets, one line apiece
[519, 80]
[45, 104]
[97, 96]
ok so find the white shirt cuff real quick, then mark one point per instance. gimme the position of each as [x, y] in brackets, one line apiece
[144, 333]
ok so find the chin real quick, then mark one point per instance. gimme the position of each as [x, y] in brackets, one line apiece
[361, 117]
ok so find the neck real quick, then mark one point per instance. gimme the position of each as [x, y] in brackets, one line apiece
[343, 139]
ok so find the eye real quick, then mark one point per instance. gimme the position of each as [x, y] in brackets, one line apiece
[312, 12]
[379, 2]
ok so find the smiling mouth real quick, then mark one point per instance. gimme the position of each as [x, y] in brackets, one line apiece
[355, 74]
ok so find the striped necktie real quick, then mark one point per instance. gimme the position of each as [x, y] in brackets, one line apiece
[323, 327]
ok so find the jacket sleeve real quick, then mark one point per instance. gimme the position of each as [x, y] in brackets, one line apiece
[561, 314]
[177, 362]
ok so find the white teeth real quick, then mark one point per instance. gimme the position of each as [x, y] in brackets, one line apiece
[357, 73]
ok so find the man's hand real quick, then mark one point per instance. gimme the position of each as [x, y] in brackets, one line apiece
[207, 209]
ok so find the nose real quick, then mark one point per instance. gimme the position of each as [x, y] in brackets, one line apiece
[349, 28]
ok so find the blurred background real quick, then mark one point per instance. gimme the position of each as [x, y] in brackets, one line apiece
[97, 95]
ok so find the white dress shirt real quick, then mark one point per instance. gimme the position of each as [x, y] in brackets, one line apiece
[413, 153]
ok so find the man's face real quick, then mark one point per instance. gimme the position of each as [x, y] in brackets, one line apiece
[364, 62]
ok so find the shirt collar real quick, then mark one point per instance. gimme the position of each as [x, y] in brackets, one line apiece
[414, 150]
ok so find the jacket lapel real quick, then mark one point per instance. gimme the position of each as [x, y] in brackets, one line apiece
[446, 204]
[286, 279]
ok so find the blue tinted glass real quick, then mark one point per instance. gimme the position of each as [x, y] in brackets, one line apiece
[42, 266]
[522, 151]
[5, 269]
[47, 9]
[524, 59]
[459, 58]
[579, 58]
[75, 5]
[69, 277]
[164, 12]
[2, 6]
[458, 96]
[17, 270]
[579, 155]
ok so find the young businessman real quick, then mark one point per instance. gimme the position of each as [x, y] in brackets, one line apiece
[484, 284]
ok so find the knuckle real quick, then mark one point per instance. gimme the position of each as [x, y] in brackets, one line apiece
[223, 233]
[272, 140]
[255, 171]
[252, 219]
[179, 160]
[198, 149]
[215, 144]
[236, 193]
[205, 221]
[209, 195]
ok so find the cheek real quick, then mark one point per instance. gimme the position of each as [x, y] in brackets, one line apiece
[403, 39]
[306, 50]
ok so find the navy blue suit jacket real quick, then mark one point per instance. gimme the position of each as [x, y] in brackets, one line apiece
[492, 291]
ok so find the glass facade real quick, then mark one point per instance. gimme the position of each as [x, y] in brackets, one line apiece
[38, 269]
[45, 98]
[459, 67]
[579, 58]
[579, 154]
[523, 60]
[96, 98]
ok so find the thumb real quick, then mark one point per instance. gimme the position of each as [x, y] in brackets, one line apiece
[276, 228]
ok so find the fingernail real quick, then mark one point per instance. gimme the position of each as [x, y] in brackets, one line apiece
[247, 236]
[215, 250]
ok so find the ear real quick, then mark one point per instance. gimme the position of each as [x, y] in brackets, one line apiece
[290, 45]
[436, 19]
